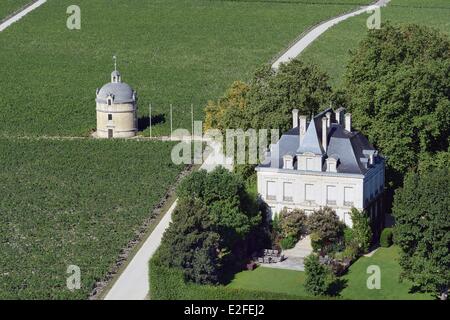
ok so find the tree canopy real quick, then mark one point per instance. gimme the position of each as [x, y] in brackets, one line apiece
[362, 233]
[268, 100]
[421, 211]
[398, 88]
[212, 226]
[274, 94]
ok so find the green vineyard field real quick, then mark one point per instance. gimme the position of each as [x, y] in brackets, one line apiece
[73, 203]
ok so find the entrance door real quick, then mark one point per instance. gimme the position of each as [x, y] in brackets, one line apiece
[110, 133]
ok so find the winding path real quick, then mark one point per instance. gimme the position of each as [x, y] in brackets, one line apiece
[16, 17]
[314, 33]
[133, 283]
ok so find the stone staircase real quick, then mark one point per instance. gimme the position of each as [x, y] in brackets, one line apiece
[295, 256]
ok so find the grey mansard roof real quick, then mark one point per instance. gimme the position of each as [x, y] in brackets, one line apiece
[352, 149]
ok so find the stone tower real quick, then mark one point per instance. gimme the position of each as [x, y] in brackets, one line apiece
[116, 109]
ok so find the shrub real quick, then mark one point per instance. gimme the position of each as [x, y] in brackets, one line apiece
[362, 232]
[351, 252]
[348, 236]
[332, 248]
[292, 223]
[386, 237]
[288, 242]
[319, 277]
[316, 242]
[326, 227]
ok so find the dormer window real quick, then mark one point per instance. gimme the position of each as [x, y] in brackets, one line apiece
[288, 162]
[109, 100]
[331, 164]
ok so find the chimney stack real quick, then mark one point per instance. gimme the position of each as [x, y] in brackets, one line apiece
[302, 128]
[339, 115]
[324, 133]
[295, 118]
[328, 114]
[348, 122]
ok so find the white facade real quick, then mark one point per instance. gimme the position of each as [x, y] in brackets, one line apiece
[310, 190]
[323, 164]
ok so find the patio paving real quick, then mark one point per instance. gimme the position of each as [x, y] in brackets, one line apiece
[294, 257]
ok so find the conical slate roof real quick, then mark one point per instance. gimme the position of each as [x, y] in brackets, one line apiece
[311, 141]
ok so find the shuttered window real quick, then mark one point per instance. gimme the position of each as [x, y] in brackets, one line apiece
[331, 195]
[271, 190]
[288, 192]
[348, 196]
[309, 192]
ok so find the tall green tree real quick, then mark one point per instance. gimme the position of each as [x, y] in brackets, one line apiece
[212, 226]
[229, 112]
[190, 244]
[319, 277]
[422, 216]
[274, 94]
[362, 233]
[268, 100]
[397, 85]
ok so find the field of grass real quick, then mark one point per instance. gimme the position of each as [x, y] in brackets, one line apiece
[9, 6]
[391, 288]
[292, 282]
[171, 51]
[272, 280]
[75, 202]
[331, 50]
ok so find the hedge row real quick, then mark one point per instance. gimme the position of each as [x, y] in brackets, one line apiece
[168, 284]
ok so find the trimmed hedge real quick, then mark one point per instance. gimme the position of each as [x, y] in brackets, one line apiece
[168, 284]
[386, 238]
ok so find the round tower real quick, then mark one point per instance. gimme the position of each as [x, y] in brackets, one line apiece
[116, 109]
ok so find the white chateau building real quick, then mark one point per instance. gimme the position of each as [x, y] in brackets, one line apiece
[116, 109]
[324, 163]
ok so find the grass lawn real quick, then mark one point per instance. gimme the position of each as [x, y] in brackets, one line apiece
[272, 280]
[9, 6]
[291, 282]
[332, 50]
[73, 203]
[171, 51]
[391, 288]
